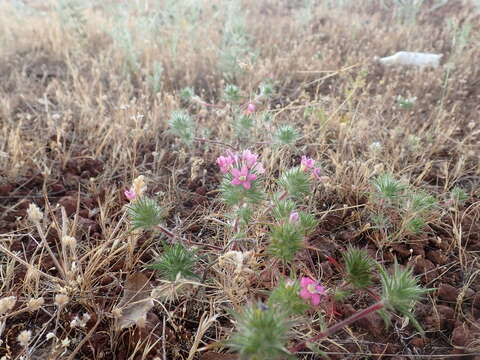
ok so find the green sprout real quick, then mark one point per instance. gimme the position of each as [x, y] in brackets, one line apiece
[388, 188]
[308, 223]
[295, 182]
[283, 209]
[359, 267]
[421, 202]
[286, 240]
[400, 291]
[266, 90]
[231, 93]
[144, 213]
[176, 260]
[416, 225]
[286, 135]
[285, 298]
[458, 195]
[181, 125]
[261, 333]
[187, 93]
[243, 124]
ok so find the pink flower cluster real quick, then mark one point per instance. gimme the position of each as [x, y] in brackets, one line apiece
[244, 167]
[311, 290]
[308, 164]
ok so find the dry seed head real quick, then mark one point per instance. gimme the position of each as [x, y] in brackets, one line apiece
[80, 322]
[139, 185]
[24, 338]
[117, 313]
[69, 242]
[35, 215]
[35, 304]
[61, 300]
[238, 262]
[7, 304]
[66, 342]
[75, 322]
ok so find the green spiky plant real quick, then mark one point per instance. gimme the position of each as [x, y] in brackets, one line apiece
[181, 125]
[458, 196]
[396, 200]
[388, 189]
[285, 297]
[287, 234]
[400, 292]
[145, 213]
[359, 267]
[175, 261]
[295, 182]
[261, 333]
[285, 241]
[286, 135]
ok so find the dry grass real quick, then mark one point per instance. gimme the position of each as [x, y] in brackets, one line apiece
[81, 117]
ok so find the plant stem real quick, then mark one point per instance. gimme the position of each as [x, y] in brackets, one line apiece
[167, 232]
[59, 267]
[333, 329]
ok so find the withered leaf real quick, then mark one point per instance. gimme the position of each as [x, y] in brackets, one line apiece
[136, 302]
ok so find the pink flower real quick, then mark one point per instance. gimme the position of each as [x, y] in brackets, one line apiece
[250, 108]
[307, 163]
[249, 158]
[225, 163]
[311, 290]
[317, 173]
[294, 217]
[130, 194]
[243, 177]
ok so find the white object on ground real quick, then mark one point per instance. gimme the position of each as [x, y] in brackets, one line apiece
[411, 58]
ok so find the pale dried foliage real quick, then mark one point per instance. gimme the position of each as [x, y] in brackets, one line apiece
[65, 96]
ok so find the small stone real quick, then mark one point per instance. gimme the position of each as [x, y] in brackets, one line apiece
[69, 203]
[437, 257]
[461, 336]
[418, 342]
[447, 292]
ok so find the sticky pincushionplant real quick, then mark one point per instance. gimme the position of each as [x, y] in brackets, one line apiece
[400, 291]
[241, 183]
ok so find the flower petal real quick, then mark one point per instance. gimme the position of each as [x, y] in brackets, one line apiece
[305, 281]
[315, 299]
[320, 289]
[305, 294]
[236, 172]
[247, 185]
[236, 181]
